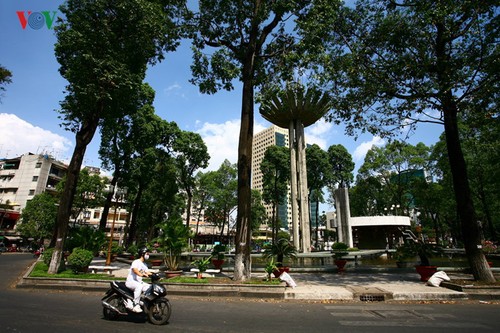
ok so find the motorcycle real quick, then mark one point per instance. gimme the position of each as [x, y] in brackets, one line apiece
[153, 303]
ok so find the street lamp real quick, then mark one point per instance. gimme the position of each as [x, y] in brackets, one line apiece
[117, 194]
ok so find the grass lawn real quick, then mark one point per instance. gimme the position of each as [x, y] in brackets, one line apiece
[221, 280]
[40, 270]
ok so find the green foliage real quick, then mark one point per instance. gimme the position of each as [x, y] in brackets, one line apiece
[40, 270]
[222, 190]
[191, 154]
[259, 215]
[80, 259]
[132, 249]
[89, 192]
[219, 251]
[283, 235]
[275, 169]
[342, 166]
[116, 249]
[87, 238]
[424, 251]
[439, 62]
[280, 249]
[270, 268]
[103, 48]
[47, 255]
[39, 217]
[173, 239]
[339, 250]
[5, 77]
[202, 264]
[240, 33]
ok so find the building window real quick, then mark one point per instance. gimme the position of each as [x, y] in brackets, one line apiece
[35, 178]
[97, 215]
[38, 165]
[32, 192]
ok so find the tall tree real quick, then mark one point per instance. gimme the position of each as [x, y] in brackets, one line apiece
[201, 194]
[395, 165]
[394, 63]
[104, 47]
[89, 192]
[154, 149]
[318, 172]
[275, 168]
[39, 217]
[222, 196]
[190, 154]
[240, 33]
[341, 165]
[122, 138]
[259, 215]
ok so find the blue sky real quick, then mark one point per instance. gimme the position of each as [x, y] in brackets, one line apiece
[29, 122]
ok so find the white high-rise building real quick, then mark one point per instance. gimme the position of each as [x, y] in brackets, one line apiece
[272, 136]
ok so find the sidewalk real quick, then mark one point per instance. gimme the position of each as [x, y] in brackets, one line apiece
[356, 284]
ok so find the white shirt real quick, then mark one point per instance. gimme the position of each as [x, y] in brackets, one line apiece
[141, 266]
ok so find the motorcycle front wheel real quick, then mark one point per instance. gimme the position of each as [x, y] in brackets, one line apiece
[159, 311]
[116, 302]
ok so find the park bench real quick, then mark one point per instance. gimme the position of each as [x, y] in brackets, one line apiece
[210, 272]
[107, 269]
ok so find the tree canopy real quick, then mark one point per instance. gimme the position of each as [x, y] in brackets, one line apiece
[392, 64]
[103, 48]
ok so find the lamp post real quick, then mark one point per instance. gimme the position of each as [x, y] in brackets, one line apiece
[117, 193]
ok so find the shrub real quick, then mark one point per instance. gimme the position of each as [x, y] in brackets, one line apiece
[339, 249]
[132, 249]
[218, 252]
[80, 259]
[47, 256]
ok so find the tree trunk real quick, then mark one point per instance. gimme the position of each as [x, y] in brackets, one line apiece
[83, 138]
[133, 222]
[107, 204]
[188, 206]
[242, 265]
[465, 208]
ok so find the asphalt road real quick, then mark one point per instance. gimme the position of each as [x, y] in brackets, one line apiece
[40, 311]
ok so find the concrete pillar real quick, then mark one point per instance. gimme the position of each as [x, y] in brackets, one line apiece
[303, 189]
[344, 229]
[293, 184]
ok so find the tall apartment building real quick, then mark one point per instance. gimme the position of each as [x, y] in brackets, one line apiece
[272, 136]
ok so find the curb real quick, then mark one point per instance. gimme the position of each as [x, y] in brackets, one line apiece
[277, 292]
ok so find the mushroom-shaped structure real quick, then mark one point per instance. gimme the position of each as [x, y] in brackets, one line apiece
[295, 109]
[296, 104]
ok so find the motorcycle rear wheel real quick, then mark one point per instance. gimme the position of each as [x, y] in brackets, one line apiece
[116, 302]
[159, 312]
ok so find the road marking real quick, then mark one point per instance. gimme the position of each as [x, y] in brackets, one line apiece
[412, 323]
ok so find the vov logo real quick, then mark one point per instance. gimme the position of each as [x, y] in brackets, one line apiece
[36, 20]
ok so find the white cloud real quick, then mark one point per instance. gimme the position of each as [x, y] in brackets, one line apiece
[20, 137]
[319, 133]
[222, 141]
[175, 90]
[362, 149]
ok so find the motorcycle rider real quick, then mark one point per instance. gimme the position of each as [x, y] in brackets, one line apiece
[138, 270]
